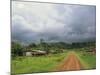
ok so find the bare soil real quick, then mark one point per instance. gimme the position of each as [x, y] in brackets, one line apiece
[70, 63]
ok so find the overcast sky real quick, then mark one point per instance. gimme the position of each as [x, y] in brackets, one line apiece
[32, 21]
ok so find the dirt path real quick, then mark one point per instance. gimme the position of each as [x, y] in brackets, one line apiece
[70, 63]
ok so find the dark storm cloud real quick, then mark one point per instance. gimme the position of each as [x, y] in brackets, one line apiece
[52, 22]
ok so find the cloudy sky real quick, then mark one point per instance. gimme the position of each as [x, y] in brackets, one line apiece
[32, 21]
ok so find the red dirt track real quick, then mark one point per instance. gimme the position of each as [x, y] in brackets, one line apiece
[70, 63]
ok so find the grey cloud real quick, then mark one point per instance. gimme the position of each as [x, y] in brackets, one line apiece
[69, 23]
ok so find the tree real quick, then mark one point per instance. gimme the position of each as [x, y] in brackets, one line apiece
[16, 49]
[44, 45]
[32, 45]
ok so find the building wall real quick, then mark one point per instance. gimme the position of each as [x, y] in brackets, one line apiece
[28, 53]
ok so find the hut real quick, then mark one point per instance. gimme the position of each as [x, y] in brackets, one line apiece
[34, 53]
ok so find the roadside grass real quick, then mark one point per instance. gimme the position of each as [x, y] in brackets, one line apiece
[88, 60]
[37, 64]
[21, 65]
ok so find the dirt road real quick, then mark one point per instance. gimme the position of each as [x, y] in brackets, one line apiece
[70, 63]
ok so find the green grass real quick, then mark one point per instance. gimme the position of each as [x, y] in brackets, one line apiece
[48, 63]
[87, 60]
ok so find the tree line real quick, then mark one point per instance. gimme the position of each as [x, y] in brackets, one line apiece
[17, 49]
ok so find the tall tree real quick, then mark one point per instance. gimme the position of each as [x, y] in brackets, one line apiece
[16, 49]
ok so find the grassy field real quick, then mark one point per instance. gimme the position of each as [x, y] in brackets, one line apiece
[36, 64]
[87, 60]
[48, 63]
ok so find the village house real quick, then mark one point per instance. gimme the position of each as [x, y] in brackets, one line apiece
[34, 53]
